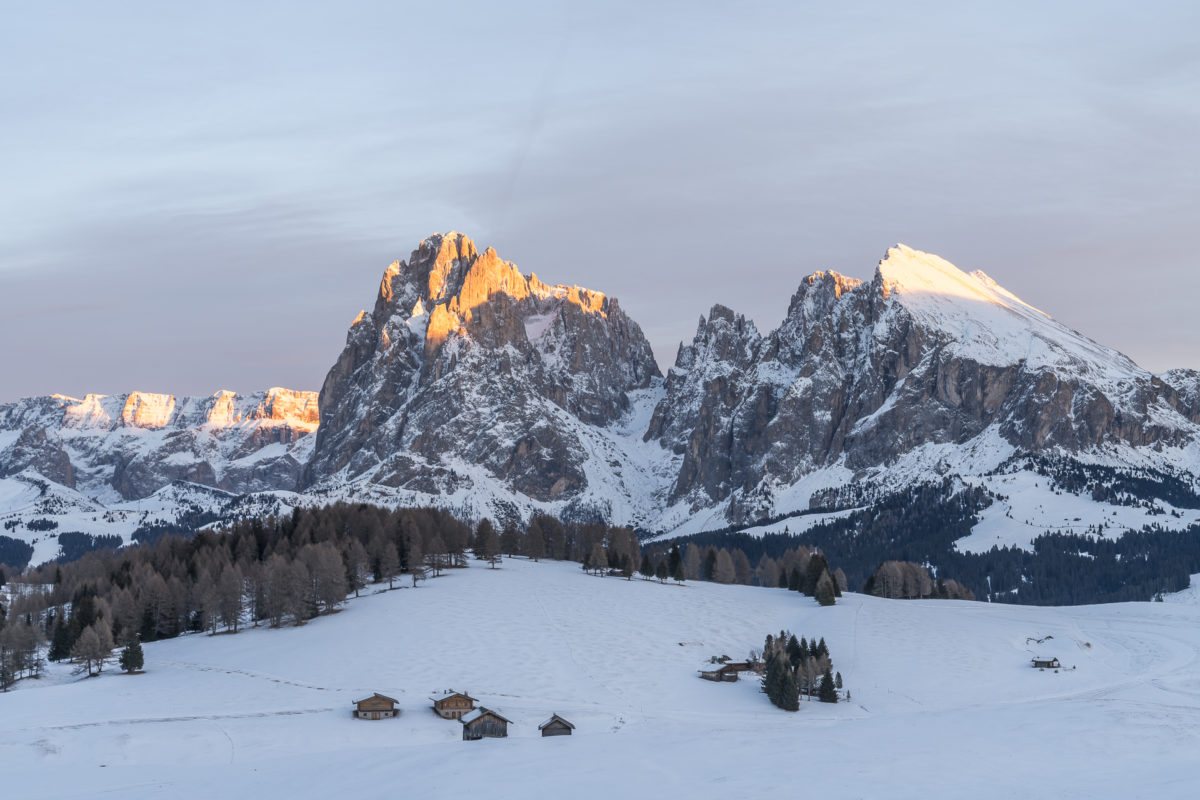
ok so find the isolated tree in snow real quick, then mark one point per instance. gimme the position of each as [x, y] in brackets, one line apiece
[660, 571]
[646, 570]
[132, 658]
[675, 563]
[837, 680]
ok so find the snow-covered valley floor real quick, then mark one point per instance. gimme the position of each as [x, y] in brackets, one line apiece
[944, 701]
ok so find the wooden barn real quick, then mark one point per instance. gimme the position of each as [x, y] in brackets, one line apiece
[484, 723]
[1046, 663]
[377, 706]
[556, 726]
[722, 672]
[453, 705]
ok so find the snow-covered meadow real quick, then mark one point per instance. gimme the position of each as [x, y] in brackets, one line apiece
[943, 700]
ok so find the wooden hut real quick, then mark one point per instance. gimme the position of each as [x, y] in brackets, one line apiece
[453, 705]
[377, 706]
[1046, 663]
[556, 726]
[723, 672]
[484, 723]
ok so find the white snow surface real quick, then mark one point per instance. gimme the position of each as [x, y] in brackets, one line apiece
[943, 700]
[993, 326]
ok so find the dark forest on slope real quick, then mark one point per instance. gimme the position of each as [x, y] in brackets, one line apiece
[921, 525]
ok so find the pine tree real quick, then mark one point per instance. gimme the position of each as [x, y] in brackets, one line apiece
[794, 652]
[660, 571]
[837, 680]
[825, 590]
[827, 693]
[132, 659]
[794, 580]
[780, 684]
[677, 572]
[710, 564]
[61, 642]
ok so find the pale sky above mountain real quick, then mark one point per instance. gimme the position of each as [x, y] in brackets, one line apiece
[202, 196]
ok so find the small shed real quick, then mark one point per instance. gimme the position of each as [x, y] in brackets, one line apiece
[556, 726]
[1046, 663]
[724, 672]
[484, 723]
[377, 706]
[453, 705]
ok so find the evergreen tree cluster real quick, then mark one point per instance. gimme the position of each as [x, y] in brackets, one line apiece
[796, 668]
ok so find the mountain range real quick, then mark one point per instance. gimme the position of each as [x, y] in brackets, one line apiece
[472, 386]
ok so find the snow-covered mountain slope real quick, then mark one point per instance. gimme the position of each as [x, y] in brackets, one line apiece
[943, 688]
[472, 386]
[124, 447]
[923, 367]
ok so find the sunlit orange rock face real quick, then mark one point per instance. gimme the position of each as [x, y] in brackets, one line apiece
[145, 410]
[461, 281]
[465, 355]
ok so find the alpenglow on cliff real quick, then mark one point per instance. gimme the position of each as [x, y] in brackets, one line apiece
[474, 387]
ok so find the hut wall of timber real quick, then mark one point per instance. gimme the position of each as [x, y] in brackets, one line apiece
[454, 706]
[377, 706]
[486, 725]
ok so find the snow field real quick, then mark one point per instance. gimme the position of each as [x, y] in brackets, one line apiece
[943, 699]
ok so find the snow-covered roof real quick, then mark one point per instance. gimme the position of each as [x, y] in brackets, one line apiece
[553, 718]
[467, 719]
[451, 693]
[380, 696]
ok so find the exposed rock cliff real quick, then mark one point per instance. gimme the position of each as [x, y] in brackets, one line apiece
[467, 364]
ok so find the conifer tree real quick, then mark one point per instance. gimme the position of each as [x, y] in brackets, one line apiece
[825, 590]
[794, 652]
[676, 564]
[646, 570]
[827, 693]
[837, 680]
[132, 658]
[660, 571]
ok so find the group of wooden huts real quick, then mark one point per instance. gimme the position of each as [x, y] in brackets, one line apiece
[478, 722]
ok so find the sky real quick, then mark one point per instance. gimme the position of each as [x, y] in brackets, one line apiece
[202, 196]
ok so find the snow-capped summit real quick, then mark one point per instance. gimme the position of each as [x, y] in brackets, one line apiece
[987, 323]
[476, 387]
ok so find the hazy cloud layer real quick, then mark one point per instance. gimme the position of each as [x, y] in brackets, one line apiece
[197, 198]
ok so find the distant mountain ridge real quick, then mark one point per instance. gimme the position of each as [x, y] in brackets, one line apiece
[472, 386]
